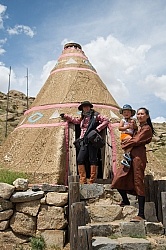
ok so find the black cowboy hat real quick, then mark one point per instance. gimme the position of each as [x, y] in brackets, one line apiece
[85, 103]
[127, 107]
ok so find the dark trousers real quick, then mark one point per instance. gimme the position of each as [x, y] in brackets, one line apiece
[87, 152]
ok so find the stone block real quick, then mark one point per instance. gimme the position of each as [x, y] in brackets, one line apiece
[29, 207]
[154, 228]
[127, 243]
[5, 204]
[4, 225]
[133, 229]
[28, 195]
[150, 212]
[104, 213]
[101, 229]
[6, 190]
[104, 243]
[57, 199]
[54, 238]
[23, 224]
[88, 191]
[51, 217]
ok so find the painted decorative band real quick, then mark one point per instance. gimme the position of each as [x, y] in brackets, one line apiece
[42, 125]
[72, 54]
[72, 68]
[66, 105]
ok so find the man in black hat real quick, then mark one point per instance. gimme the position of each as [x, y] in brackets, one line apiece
[89, 120]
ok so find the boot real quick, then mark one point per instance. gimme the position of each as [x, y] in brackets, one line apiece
[125, 201]
[141, 204]
[82, 174]
[93, 174]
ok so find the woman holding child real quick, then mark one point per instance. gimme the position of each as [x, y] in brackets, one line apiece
[131, 180]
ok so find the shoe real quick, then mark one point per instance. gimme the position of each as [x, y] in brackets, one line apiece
[137, 219]
[125, 163]
[127, 156]
[122, 204]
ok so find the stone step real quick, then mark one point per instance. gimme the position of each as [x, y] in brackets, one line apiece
[128, 235]
[129, 243]
[125, 243]
[127, 229]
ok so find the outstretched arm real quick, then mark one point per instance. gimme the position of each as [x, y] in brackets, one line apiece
[72, 119]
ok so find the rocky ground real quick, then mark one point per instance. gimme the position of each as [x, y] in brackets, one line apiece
[18, 103]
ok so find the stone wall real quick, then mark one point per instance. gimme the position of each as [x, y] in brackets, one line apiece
[27, 212]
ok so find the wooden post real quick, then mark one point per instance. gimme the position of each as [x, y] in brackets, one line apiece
[84, 238]
[161, 188]
[163, 202]
[149, 188]
[74, 195]
[72, 151]
[107, 156]
[77, 219]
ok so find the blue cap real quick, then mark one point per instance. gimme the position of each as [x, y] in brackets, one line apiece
[127, 107]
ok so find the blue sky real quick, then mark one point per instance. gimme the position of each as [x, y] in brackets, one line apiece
[124, 40]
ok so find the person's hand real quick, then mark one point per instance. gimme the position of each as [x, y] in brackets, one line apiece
[127, 126]
[62, 115]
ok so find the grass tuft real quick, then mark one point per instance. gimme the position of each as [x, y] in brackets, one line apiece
[37, 243]
[8, 176]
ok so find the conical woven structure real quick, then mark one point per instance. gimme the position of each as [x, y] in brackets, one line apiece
[41, 144]
[74, 79]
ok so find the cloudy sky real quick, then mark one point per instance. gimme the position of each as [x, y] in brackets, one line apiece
[124, 40]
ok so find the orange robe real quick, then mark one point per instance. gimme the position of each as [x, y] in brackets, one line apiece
[132, 179]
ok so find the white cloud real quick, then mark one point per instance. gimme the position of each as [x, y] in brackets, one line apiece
[159, 120]
[4, 78]
[117, 64]
[157, 85]
[19, 29]
[46, 70]
[2, 14]
[2, 42]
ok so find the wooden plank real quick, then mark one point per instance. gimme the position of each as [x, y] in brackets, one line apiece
[72, 151]
[161, 188]
[84, 238]
[74, 196]
[163, 202]
[73, 178]
[77, 219]
[108, 157]
[149, 188]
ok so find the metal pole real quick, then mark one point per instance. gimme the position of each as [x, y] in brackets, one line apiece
[7, 101]
[27, 89]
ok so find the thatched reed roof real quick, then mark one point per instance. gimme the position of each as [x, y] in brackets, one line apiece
[74, 79]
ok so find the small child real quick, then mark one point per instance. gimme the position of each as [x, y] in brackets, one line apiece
[127, 127]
